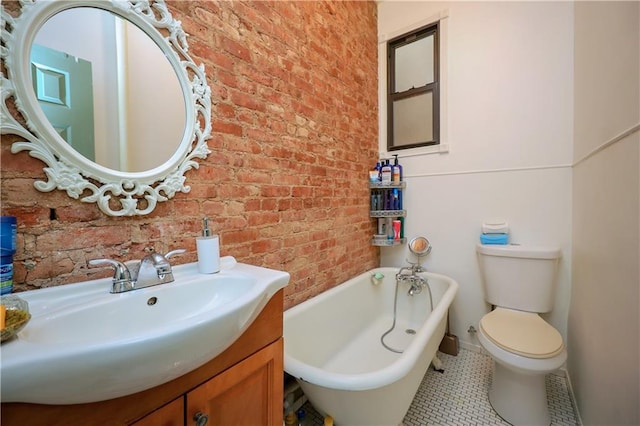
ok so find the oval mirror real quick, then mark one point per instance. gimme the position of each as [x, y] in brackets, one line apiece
[420, 246]
[90, 74]
[123, 178]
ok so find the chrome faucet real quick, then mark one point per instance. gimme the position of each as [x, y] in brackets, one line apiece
[420, 247]
[415, 268]
[153, 269]
[417, 284]
[416, 281]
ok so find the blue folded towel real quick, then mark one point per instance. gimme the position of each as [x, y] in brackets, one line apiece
[494, 238]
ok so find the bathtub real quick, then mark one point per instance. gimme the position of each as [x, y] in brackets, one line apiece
[332, 346]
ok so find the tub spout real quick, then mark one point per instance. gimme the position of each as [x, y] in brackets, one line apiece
[417, 284]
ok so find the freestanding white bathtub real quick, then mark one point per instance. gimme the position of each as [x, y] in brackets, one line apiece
[332, 346]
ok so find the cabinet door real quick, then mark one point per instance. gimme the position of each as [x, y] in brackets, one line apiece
[171, 414]
[249, 393]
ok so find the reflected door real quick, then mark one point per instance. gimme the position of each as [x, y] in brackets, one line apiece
[64, 89]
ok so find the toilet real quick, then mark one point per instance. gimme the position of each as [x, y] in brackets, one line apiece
[520, 283]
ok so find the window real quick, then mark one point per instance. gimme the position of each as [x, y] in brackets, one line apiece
[413, 96]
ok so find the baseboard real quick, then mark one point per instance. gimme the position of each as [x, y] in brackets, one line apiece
[471, 347]
[572, 396]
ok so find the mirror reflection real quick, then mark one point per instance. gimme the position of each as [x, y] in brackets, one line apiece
[108, 89]
[420, 246]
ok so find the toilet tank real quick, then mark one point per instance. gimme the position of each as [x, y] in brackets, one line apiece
[519, 277]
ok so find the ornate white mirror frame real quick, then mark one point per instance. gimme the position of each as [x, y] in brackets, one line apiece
[116, 193]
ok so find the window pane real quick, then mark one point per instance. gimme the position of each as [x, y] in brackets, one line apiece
[414, 64]
[413, 120]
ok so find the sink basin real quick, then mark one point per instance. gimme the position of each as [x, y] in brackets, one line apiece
[84, 344]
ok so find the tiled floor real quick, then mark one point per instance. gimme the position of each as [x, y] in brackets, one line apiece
[459, 396]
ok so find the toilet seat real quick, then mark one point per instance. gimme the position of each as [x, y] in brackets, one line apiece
[522, 333]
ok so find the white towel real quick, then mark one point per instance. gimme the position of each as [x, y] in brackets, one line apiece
[495, 227]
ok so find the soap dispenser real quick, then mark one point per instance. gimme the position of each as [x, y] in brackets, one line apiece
[208, 247]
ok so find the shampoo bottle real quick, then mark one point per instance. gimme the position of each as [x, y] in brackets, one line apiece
[208, 247]
[397, 170]
[386, 173]
[374, 174]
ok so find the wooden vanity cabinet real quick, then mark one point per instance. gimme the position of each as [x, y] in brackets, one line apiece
[242, 386]
[249, 393]
[243, 395]
[171, 414]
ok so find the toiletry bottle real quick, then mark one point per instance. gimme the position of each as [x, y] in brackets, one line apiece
[208, 247]
[397, 170]
[291, 419]
[374, 173]
[8, 227]
[378, 171]
[302, 420]
[382, 226]
[386, 172]
[396, 229]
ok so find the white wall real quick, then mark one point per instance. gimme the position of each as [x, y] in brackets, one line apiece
[509, 129]
[153, 134]
[604, 319]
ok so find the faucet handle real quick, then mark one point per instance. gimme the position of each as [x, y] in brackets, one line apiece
[163, 266]
[174, 253]
[121, 275]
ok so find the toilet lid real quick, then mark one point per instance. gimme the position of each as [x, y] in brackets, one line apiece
[523, 333]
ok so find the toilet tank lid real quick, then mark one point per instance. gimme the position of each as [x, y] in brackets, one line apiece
[516, 250]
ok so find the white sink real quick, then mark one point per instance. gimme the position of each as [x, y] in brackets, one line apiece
[84, 344]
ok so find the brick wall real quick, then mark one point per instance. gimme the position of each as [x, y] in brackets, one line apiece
[294, 93]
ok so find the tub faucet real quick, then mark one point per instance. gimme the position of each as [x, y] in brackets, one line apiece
[417, 284]
[416, 281]
[414, 269]
[153, 269]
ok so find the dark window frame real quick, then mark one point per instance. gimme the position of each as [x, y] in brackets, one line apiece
[433, 88]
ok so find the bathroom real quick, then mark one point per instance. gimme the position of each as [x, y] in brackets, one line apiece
[533, 89]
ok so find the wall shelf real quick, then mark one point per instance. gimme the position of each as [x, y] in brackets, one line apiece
[379, 242]
[380, 185]
[387, 213]
[386, 206]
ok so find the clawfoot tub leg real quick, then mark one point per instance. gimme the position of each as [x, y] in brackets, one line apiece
[437, 364]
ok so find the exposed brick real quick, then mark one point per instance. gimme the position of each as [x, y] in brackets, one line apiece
[294, 117]
[236, 49]
[263, 218]
[77, 213]
[227, 127]
[247, 101]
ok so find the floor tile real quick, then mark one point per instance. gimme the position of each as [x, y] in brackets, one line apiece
[459, 396]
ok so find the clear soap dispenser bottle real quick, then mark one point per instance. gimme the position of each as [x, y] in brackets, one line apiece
[208, 247]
